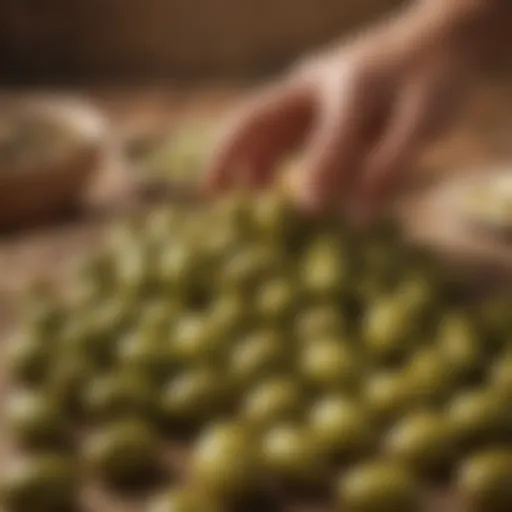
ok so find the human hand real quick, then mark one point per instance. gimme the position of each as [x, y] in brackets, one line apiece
[362, 113]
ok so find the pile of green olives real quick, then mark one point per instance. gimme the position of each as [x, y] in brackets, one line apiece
[276, 349]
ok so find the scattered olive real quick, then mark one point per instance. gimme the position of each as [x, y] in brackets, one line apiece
[46, 483]
[125, 394]
[195, 397]
[123, 453]
[330, 365]
[485, 481]
[424, 443]
[293, 456]
[378, 487]
[343, 428]
[260, 354]
[226, 462]
[273, 401]
[36, 421]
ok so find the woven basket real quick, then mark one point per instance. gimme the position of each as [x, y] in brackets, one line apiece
[42, 189]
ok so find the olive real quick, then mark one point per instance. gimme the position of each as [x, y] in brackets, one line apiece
[319, 321]
[272, 401]
[342, 427]
[123, 453]
[387, 397]
[147, 356]
[28, 357]
[430, 377]
[388, 331]
[260, 354]
[44, 315]
[93, 335]
[378, 487]
[479, 417]
[496, 317]
[46, 483]
[417, 294]
[245, 269]
[195, 397]
[274, 217]
[193, 341]
[501, 377]
[329, 365]
[226, 462]
[423, 441]
[118, 395]
[182, 500]
[136, 275]
[293, 456]
[485, 481]
[235, 209]
[461, 347]
[276, 301]
[158, 316]
[229, 316]
[70, 374]
[35, 420]
[324, 271]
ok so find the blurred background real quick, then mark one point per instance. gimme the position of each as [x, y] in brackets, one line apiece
[155, 68]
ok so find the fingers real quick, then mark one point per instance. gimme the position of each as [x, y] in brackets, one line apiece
[258, 135]
[395, 152]
[335, 149]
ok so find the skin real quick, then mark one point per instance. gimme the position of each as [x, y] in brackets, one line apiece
[360, 112]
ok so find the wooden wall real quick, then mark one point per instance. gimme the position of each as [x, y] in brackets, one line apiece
[176, 38]
[137, 39]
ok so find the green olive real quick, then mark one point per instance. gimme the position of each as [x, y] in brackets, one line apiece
[424, 442]
[28, 357]
[158, 316]
[479, 418]
[245, 269]
[430, 377]
[229, 316]
[293, 455]
[36, 420]
[182, 500]
[342, 427]
[324, 271]
[44, 315]
[485, 481]
[378, 487]
[70, 374]
[193, 341]
[501, 377]
[330, 365]
[195, 397]
[272, 401]
[319, 321]
[388, 397]
[388, 331]
[460, 344]
[118, 395]
[276, 301]
[274, 217]
[260, 354]
[46, 483]
[147, 356]
[226, 462]
[123, 453]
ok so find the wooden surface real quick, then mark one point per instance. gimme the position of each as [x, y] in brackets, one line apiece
[483, 137]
